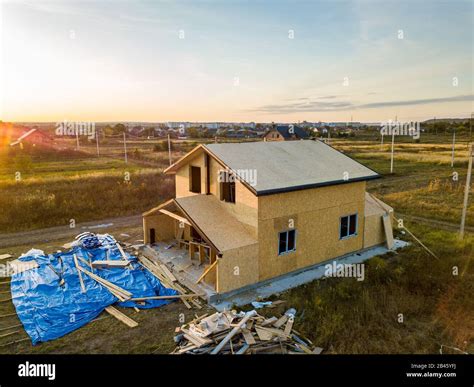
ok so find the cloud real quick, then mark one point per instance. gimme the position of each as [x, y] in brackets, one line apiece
[330, 106]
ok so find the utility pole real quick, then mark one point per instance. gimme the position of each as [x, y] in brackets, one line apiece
[470, 127]
[452, 152]
[467, 188]
[169, 148]
[97, 142]
[77, 138]
[125, 147]
[393, 143]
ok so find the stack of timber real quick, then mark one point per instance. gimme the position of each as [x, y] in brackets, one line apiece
[167, 278]
[241, 333]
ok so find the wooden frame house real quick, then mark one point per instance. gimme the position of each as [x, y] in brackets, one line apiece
[249, 212]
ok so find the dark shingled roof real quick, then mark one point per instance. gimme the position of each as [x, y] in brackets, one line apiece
[298, 132]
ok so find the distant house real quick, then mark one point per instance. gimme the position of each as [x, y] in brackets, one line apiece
[286, 133]
[33, 136]
[137, 130]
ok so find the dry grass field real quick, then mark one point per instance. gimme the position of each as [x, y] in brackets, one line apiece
[340, 315]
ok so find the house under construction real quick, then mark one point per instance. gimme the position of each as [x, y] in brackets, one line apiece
[248, 212]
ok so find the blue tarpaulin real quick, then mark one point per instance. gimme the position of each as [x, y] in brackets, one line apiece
[49, 301]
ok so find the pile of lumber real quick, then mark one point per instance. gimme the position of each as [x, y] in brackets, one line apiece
[168, 280]
[241, 333]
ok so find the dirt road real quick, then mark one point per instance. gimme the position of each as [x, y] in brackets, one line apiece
[52, 234]
[435, 223]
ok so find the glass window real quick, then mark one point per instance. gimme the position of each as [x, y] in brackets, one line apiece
[291, 240]
[348, 226]
[287, 241]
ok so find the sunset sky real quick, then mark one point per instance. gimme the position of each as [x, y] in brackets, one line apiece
[125, 61]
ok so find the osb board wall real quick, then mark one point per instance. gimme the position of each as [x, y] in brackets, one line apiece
[316, 214]
[237, 268]
[246, 203]
[182, 175]
[245, 207]
[164, 227]
[374, 233]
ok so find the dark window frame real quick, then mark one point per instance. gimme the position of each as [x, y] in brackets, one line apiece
[286, 238]
[345, 223]
[227, 189]
[194, 186]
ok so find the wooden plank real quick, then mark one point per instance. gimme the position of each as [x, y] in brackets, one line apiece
[281, 321]
[289, 326]
[121, 317]
[213, 257]
[192, 249]
[273, 331]
[83, 288]
[177, 217]
[110, 263]
[233, 332]
[122, 252]
[5, 256]
[209, 268]
[9, 334]
[117, 291]
[387, 225]
[180, 234]
[269, 321]
[168, 273]
[202, 254]
[263, 334]
[181, 296]
[248, 337]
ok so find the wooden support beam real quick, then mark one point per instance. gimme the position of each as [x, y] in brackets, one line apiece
[109, 263]
[213, 255]
[168, 273]
[181, 296]
[387, 225]
[192, 250]
[122, 252]
[209, 268]
[83, 288]
[233, 332]
[202, 254]
[177, 217]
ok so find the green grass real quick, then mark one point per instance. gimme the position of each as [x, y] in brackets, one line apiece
[419, 188]
[348, 316]
[50, 203]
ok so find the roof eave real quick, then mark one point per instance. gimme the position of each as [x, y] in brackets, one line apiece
[314, 185]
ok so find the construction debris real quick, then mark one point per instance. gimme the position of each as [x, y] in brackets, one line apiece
[162, 273]
[55, 294]
[241, 333]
